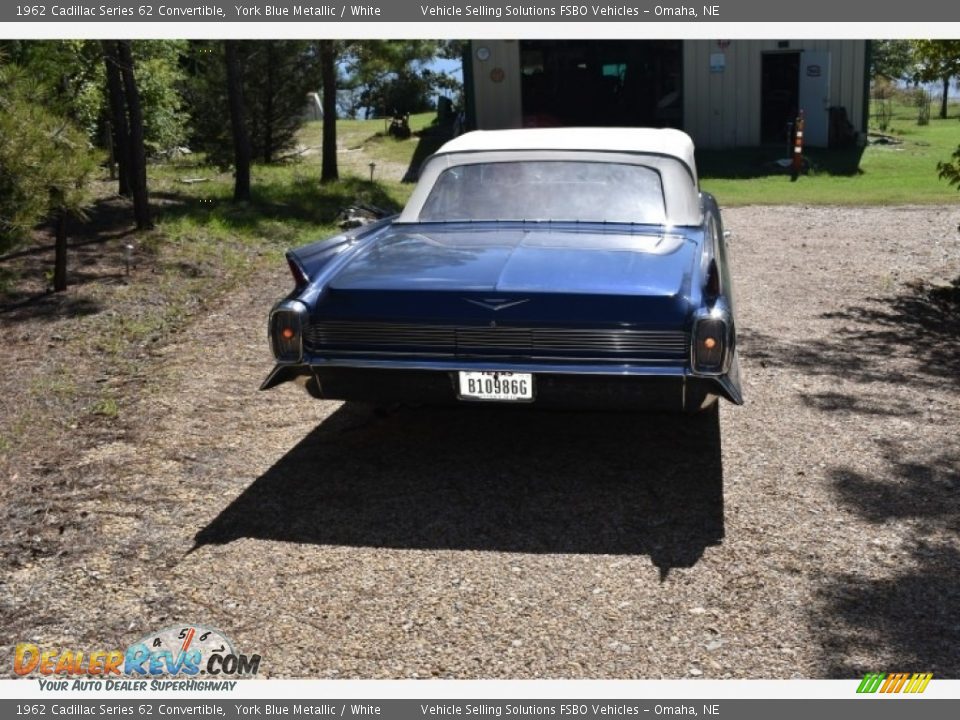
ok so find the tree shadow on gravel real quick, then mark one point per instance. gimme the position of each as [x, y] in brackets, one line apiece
[918, 328]
[910, 616]
[861, 404]
[890, 356]
[48, 307]
[502, 479]
[95, 256]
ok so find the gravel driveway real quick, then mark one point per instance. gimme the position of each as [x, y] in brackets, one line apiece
[816, 536]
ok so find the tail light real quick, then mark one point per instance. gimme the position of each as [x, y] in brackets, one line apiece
[709, 345]
[287, 322]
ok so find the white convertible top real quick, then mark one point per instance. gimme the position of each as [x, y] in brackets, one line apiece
[668, 152]
[647, 141]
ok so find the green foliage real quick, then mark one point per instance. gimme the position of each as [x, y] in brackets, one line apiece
[44, 159]
[277, 75]
[205, 96]
[891, 59]
[370, 60]
[881, 102]
[399, 93]
[385, 77]
[160, 77]
[937, 59]
[68, 77]
[950, 170]
[451, 49]
[922, 101]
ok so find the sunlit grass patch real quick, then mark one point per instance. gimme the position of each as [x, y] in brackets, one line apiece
[900, 170]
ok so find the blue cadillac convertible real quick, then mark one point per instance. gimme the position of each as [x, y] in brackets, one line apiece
[564, 267]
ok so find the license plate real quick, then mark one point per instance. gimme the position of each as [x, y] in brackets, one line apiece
[505, 386]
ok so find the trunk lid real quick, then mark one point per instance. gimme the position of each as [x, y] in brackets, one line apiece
[516, 276]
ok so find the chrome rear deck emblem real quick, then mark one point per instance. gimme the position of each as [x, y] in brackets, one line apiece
[496, 303]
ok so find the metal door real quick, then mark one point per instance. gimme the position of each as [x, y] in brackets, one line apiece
[815, 96]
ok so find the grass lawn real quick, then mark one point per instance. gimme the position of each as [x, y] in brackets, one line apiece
[361, 142]
[289, 205]
[904, 172]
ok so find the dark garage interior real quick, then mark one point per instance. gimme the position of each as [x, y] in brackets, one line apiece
[779, 95]
[608, 83]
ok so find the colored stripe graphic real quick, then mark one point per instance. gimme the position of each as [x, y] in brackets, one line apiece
[899, 680]
[919, 682]
[894, 683]
[871, 682]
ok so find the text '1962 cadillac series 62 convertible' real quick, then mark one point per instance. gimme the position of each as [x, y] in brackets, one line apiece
[564, 267]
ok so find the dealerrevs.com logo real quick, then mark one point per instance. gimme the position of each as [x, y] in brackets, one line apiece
[183, 651]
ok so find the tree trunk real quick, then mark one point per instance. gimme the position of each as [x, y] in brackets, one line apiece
[118, 116]
[108, 140]
[241, 141]
[267, 153]
[60, 254]
[138, 155]
[946, 93]
[328, 70]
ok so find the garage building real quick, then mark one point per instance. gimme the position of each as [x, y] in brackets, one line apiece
[724, 93]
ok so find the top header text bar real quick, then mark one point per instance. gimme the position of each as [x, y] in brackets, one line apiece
[458, 11]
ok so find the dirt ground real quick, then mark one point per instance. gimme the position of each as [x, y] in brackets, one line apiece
[816, 536]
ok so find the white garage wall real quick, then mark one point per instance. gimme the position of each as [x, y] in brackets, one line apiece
[723, 109]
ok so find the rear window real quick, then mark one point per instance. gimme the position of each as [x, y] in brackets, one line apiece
[547, 190]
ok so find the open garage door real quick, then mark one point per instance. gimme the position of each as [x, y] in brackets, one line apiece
[602, 83]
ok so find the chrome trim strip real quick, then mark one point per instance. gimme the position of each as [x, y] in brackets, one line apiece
[360, 355]
[383, 353]
[678, 371]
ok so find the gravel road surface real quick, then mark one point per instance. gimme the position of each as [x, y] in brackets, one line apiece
[816, 535]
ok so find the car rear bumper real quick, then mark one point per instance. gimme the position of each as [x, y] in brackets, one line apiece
[653, 388]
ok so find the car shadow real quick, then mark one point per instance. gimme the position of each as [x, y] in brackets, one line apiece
[503, 479]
